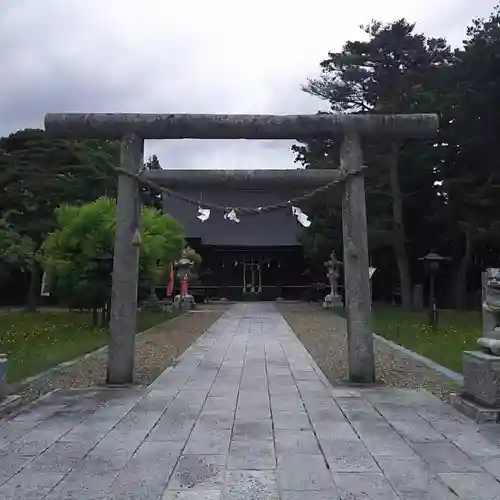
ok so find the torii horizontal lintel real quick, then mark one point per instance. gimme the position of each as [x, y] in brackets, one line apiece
[205, 126]
[251, 179]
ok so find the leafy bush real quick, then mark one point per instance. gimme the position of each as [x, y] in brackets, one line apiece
[86, 232]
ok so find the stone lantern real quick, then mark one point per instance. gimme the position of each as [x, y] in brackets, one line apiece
[184, 300]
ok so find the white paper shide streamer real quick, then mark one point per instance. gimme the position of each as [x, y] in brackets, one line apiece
[231, 215]
[203, 214]
[301, 216]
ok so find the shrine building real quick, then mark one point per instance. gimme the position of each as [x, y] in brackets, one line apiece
[259, 258]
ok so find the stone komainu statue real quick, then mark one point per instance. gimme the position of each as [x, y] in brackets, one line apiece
[490, 341]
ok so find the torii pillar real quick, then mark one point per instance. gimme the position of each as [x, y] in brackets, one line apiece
[133, 129]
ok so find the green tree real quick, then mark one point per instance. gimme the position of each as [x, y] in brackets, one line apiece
[471, 127]
[39, 173]
[16, 251]
[86, 232]
[394, 71]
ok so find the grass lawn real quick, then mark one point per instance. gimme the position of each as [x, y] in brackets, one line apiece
[34, 342]
[457, 332]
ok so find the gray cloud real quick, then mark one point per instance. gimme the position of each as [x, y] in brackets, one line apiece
[196, 56]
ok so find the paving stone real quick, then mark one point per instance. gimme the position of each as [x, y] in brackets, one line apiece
[356, 409]
[348, 456]
[155, 453]
[296, 420]
[215, 420]
[253, 411]
[254, 383]
[288, 441]
[402, 397]
[301, 472]
[193, 495]
[344, 392]
[172, 430]
[104, 462]
[284, 391]
[474, 445]
[141, 482]
[473, 486]
[34, 443]
[191, 396]
[253, 396]
[11, 464]
[445, 457]
[250, 485]
[418, 431]
[215, 442]
[490, 464]
[77, 486]
[364, 486]
[305, 375]
[387, 444]
[324, 411]
[12, 430]
[413, 479]
[60, 457]
[29, 486]
[198, 472]
[251, 454]
[279, 379]
[126, 441]
[258, 429]
[331, 494]
[335, 430]
[223, 404]
[284, 403]
[309, 386]
[150, 405]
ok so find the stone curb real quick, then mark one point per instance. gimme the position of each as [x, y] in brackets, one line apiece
[442, 370]
[19, 386]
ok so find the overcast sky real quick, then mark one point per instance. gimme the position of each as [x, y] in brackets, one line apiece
[194, 56]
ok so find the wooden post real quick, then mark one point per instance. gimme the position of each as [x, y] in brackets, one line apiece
[122, 326]
[356, 279]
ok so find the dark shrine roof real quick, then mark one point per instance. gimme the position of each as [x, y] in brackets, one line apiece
[274, 229]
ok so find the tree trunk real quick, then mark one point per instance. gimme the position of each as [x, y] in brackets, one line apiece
[398, 229]
[458, 292]
[34, 289]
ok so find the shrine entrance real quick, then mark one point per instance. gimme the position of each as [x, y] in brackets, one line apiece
[348, 131]
[249, 273]
[252, 278]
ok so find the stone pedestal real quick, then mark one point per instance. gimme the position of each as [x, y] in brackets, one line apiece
[482, 377]
[332, 301]
[185, 304]
[3, 376]
[480, 399]
[152, 302]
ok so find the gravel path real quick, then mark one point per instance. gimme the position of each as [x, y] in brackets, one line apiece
[155, 350]
[323, 334]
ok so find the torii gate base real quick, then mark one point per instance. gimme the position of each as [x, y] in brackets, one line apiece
[133, 129]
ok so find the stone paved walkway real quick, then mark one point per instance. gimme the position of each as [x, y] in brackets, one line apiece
[245, 414]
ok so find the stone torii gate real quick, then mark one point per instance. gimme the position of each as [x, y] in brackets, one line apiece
[133, 129]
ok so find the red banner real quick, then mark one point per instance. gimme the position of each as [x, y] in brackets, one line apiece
[170, 286]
